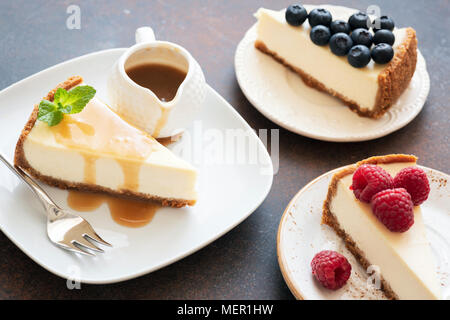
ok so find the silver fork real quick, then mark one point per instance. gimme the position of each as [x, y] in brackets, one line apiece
[66, 230]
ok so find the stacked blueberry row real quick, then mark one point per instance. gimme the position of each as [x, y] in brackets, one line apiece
[351, 38]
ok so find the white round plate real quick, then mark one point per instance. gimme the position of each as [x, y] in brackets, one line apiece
[301, 235]
[281, 96]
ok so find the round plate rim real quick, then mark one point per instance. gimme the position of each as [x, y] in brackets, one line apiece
[282, 265]
[421, 98]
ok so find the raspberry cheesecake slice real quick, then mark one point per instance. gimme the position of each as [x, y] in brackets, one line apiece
[376, 218]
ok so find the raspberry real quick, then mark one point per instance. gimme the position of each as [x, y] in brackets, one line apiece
[394, 208]
[331, 269]
[415, 181]
[370, 179]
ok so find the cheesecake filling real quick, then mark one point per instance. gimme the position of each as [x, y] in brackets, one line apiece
[105, 133]
[293, 45]
[96, 146]
[404, 259]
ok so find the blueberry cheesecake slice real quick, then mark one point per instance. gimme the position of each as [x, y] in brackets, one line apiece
[364, 61]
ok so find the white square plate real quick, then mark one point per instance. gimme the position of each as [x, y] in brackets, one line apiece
[229, 190]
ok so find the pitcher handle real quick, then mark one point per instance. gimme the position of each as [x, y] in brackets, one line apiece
[144, 34]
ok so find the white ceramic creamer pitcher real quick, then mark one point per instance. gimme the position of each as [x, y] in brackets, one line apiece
[139, 105]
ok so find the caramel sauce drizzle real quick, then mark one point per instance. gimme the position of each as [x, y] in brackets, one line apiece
[161, 121]
[128, 213]
[89, 169]
[97, 131]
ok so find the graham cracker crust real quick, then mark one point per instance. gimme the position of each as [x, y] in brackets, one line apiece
[21, 162]
[392, 81]
[329, 218]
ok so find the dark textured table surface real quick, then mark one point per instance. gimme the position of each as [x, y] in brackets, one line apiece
[243, 263]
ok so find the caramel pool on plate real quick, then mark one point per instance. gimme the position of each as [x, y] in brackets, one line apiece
[129, 213]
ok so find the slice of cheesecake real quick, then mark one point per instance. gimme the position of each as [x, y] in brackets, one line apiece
[368, 91]
[97, 151]
[404, 259]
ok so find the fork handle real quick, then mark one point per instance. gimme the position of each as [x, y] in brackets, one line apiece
[46, 201]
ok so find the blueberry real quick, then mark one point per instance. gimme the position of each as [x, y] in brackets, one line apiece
[384, 36]
[320, 35]
[384, 22]
[359, 56]
[340, 43]
[319, 16]
[339, 26]
[296, 15]
[362, 36]
[382, 53]
[359, 20]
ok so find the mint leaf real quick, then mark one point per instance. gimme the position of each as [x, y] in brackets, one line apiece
[61, 96]
[65, 102]
[66, 109]
[79, 97]
[48, 112]
[46, 107]
[53, 118]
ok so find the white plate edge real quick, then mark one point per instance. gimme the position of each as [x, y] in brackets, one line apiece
[421, 99]
[296, 292]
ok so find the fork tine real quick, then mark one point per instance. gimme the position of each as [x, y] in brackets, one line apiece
[94, 236]
[74, 248]
[85, 243]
